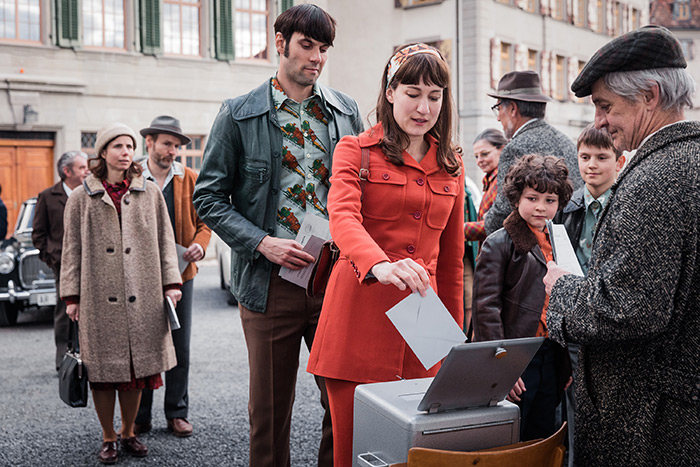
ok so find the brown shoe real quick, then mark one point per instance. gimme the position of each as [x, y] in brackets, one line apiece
[108, 453]
[134, 447]
[141, 428]
[180, 427]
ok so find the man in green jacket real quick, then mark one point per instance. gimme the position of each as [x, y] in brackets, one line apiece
[266, 165]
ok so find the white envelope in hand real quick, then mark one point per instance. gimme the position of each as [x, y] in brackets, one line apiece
[426, 326]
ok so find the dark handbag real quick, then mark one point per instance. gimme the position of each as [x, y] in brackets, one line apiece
[322, 269]
[72, 375]
[330, 252]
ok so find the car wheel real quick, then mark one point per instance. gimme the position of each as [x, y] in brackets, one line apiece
[8, 314]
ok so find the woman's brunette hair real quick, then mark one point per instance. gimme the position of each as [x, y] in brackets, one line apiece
[98, 165]
[431, 70]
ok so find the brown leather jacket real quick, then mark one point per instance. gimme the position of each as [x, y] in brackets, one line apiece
[508, 293]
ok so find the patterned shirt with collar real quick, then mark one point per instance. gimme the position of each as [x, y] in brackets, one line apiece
[475, 230]
[304, 180]
[594, 206]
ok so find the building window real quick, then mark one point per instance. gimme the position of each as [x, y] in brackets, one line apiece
[615, 19]
[600, 25]
[636, 19]
[681, 10]
[559, 9]
[414, 3]
[181, 27]
[531, 6]
[506, 58]
[688, 46]
[87, 143]
[580, 18]
[532, 60]
[560, 79]
[191, 155]
[103, 23]
[251, 29]
[19, 20]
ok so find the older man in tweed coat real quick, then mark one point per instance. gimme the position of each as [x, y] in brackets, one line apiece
[636, 313]
[520, 109]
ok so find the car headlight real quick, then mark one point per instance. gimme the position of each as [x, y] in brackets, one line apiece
[7, 263]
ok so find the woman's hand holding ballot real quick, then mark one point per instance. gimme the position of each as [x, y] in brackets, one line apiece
[402, 273]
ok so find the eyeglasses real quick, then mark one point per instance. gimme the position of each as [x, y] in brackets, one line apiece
[495, 108]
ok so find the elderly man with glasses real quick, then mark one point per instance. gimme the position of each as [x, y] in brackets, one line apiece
[520, 109]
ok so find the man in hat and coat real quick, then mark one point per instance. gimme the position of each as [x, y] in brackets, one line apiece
[163, 140]
[520, 109]
[635, 314]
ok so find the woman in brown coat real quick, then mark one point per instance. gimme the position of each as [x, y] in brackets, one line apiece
[119, 261]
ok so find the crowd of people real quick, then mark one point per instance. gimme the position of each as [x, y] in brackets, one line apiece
[620, 358]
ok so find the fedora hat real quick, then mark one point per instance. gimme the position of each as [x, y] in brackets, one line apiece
[168, 125]
[520, 86]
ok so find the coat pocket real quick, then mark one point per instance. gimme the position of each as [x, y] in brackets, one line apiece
[443, 194]
[384, 195]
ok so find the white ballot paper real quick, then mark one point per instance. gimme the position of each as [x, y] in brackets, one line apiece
[562, 250]
[313, 233]
[181, 262]
[426, 326]
[172, 316]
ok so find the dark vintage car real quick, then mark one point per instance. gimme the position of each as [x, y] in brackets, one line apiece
[25, 280]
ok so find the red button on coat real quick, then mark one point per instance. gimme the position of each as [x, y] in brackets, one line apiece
[385, 176]
[447, 188]
[420, 181]
[416, 215]
[411, 249]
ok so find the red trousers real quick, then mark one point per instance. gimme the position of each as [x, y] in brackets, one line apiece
[341, 398]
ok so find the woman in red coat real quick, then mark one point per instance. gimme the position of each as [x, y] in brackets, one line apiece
[400, 231]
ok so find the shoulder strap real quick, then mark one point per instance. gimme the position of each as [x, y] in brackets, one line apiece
[364, 171]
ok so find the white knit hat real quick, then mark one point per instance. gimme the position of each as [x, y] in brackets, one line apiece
[110, 132]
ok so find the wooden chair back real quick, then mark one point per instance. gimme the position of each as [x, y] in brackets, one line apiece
[538, 453]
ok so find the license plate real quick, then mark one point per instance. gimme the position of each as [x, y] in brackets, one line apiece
[46, 299]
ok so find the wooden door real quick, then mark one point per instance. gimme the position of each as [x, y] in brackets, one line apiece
[26, 168]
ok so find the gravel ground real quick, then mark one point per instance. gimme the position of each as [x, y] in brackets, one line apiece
[38, 429]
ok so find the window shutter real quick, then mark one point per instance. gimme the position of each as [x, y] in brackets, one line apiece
[67, 23]
[286, 5]
[223, 30]
[150, 19]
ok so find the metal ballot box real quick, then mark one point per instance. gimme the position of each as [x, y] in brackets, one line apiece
[461, 409]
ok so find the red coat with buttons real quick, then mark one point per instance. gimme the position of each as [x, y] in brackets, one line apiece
[411, 211]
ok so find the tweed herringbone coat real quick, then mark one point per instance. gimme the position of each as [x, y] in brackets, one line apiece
[636, 314]
[536, 137]
[119, 273]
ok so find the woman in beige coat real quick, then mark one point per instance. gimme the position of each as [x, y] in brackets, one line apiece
[119, 261]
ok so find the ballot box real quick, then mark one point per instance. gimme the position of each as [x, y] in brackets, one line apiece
[462, 409]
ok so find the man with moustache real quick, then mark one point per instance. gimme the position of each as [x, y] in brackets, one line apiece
[163, 140]
[520, 109]
[267, 165]
[635, 314]
[47, 234]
